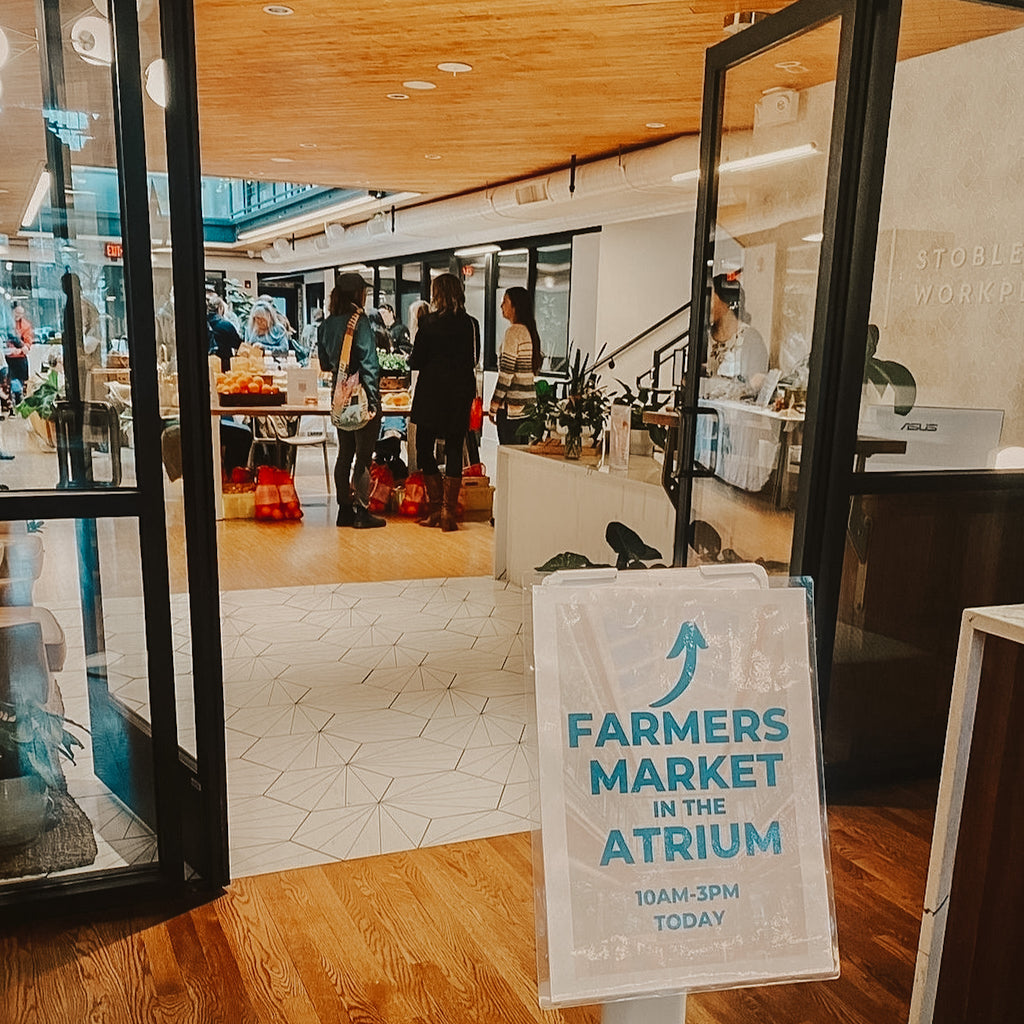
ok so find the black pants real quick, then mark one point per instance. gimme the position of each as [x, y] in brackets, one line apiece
[426, 458]
[507, 428]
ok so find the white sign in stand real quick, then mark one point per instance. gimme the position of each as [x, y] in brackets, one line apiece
[683, 843]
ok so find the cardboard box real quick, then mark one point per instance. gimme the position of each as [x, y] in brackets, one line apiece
[240, 505]
[476, 497]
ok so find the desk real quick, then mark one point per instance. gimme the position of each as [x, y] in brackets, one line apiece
[972, 930]
[251, 411]
[751, 442]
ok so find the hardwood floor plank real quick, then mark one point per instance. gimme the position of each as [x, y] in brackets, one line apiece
[441, 935]
[270, 977]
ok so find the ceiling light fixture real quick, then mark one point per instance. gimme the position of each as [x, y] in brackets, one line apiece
[431, 156]
[157, 86]
[477, 250]
[313, 217]
[36, 201]
[282, 160]
[90, 39]
[418, 85]
[454, 67]
[308, 145]
[749, 163]
[655, 124]
[397, 96]
[353, 268]
[278, 10]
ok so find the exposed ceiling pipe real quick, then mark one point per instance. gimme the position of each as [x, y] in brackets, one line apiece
[610, 190]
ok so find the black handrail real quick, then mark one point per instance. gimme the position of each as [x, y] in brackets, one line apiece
[655, 371]
[609, 360]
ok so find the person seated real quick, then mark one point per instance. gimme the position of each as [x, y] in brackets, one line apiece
[266, 330]
[737, 356]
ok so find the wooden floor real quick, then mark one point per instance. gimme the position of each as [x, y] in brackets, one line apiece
[438, 936]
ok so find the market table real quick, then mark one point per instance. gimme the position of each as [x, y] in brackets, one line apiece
[253, 411]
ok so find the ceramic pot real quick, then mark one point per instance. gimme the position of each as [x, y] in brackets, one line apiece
[24, 805]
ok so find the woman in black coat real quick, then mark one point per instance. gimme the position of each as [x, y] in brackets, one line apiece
[445, 354]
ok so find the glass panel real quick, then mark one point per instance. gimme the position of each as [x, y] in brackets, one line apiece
[63, 319]
[776, 127]
[513, 269]
[949, 269]
[913, 562]
[554, 270]
[73, 659]
[474, 278]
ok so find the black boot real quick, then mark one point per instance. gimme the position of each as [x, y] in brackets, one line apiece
[364, 520]
[346, 515]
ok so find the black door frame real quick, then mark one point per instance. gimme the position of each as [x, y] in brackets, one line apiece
[828, 438]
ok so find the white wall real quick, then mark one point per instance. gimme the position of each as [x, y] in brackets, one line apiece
[644, 272]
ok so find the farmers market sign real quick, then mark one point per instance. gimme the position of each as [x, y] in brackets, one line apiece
[682, 824]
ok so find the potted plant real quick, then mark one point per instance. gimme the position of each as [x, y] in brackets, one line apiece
[539, 415]
[32, 741]
[584, 408]
[38, 406]
[882, 374]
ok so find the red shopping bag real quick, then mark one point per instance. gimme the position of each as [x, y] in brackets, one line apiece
[414, 496]
[476, 414]
[268, 497]
[382, 483]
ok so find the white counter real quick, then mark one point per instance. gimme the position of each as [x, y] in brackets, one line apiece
[546, 505]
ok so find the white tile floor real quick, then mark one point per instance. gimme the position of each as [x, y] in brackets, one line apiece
[361, 718]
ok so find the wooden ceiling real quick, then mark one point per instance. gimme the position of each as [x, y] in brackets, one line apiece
[304, 98]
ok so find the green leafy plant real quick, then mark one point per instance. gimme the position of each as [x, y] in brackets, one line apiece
[238, 298]
[539, 415]
[41, 398]
[392, 363]
[32, 741]
[630, 550]
[585, 404]
[884, 373]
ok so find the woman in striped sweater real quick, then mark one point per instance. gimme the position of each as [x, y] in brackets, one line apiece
[518, 364]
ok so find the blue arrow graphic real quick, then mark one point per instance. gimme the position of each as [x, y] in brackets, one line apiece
[688, 640]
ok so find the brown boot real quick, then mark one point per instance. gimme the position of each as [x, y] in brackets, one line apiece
[450, 503]
[432, 483]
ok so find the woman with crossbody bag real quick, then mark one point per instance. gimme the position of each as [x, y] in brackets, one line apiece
[348, 326]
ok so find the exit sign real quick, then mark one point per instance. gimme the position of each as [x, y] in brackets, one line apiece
[113, 250]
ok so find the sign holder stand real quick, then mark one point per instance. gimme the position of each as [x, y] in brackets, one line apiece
[657, 1010]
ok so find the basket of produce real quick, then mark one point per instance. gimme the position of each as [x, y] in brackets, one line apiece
[240, 387]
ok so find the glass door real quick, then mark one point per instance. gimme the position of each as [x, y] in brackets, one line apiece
[774, 96]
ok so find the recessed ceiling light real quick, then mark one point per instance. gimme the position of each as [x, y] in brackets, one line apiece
[655, 124]
[418, 85]
[281, 160]
[398, 95]
[278, 9]
[308, 145]
[431, 156]
[455, 67]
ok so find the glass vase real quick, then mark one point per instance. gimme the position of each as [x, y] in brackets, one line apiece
[573, 445]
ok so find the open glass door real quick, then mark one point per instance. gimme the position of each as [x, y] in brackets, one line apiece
[773, 98]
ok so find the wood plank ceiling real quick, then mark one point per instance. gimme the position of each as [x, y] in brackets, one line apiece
[305, 97]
